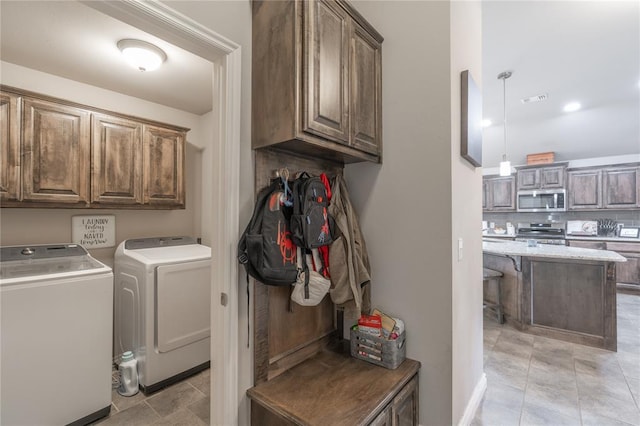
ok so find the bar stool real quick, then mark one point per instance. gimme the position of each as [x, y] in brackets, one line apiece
[491, 275]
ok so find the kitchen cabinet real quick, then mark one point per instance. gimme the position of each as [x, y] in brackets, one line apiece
[9, 147]
[621, 187]
[76, 156]
[404, 408]
[627, 272]
[541, 177]
[499, 193]
[56, 153]
[319, 90]
[584, 189]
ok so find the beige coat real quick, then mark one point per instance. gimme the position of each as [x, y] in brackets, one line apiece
[348, 259]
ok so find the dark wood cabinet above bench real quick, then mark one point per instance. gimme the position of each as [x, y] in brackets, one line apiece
[317, 82]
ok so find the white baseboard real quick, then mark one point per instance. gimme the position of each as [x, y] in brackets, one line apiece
[474, 401]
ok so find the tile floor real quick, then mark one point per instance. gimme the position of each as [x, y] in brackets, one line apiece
[184, 403]
[534, 380]
[531, 380]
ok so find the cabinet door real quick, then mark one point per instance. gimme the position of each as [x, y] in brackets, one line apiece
[404, 407]
[116, 176]
[56, 143]
[503, 193]
[9, 147]
[621, 187]
[163, 158]
[529, 179]
[628, 272]
[366, 91]
[485, 194]
[552, 177]
[326, 71]
[585, 189]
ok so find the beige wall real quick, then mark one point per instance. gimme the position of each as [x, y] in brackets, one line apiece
[405, 203]
[41, 226]
[466, 213]
[415, 206]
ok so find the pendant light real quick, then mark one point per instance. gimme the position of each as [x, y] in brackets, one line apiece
[505, 166]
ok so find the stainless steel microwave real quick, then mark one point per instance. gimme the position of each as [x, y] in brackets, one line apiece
[542, 200]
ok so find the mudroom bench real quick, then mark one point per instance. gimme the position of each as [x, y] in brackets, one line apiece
[332, 388]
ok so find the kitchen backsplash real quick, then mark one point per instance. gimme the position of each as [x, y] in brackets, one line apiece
[626, 217]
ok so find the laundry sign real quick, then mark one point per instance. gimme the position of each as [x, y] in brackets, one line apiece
[94, 231]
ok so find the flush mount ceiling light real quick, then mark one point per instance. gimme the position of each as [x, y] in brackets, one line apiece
[505, 166]
[141, 55]
[572, 106]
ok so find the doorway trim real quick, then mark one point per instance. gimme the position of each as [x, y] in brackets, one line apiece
[182, 31]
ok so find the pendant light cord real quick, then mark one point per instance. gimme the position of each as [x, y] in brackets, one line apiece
[504, 109]
[504, 76]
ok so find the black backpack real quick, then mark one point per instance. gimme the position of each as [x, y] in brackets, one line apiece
[311, 224]
[265, 248]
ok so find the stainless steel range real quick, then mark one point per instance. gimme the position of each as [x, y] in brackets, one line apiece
[542, 233]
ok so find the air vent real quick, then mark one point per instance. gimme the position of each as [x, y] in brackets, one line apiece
[537, 98]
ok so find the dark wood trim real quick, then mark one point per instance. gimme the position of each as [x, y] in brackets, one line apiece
[351, 10]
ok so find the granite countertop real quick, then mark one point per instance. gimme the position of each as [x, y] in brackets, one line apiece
[516, 248]
[596, 238]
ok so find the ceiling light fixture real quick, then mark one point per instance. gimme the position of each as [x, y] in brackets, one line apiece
[572, 106]
[141, 55]
[486, 123]
[505, 166]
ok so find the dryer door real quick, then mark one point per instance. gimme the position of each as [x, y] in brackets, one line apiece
[183, 300]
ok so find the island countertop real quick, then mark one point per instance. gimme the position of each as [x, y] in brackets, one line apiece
[517, 248]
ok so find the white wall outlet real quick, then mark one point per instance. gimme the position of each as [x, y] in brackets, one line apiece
[460, 247]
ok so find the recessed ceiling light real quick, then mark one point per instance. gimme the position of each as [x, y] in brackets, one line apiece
[486, 123]
[572, 106]
[141, 55]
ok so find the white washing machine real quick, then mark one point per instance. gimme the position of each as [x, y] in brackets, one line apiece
[56, 316]
[163, 307]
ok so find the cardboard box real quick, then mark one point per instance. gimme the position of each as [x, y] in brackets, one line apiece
[541, 158]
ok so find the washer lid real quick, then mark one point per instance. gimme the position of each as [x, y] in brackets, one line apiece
[18, 263]
[181, 253]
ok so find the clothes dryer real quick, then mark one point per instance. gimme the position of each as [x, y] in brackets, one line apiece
[162, 307]
[56, 319]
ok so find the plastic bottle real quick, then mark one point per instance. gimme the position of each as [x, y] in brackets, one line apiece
[128, 370]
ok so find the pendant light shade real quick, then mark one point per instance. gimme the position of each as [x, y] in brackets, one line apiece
[505, 165]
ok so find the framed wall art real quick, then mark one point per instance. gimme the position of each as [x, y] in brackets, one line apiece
[470, 120]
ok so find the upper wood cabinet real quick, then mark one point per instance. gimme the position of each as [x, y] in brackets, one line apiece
[9, 147]
[613, 187]
[116, 176]
[499, 193]
[621, 187]
[584, 189]
[61, 154]
[164, 152]
[318, 90]
[541, 177]
[56, 153]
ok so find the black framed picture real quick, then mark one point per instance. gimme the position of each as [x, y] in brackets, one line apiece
[470, 120]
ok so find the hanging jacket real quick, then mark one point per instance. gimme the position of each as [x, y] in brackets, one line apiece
[350, 269]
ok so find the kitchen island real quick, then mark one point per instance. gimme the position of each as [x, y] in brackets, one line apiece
[567, 293]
